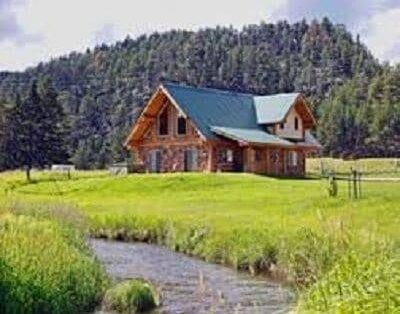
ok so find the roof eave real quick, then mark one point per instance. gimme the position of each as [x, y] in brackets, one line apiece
[244, 142]
[141, 116]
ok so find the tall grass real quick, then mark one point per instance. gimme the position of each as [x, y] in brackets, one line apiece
[358, 283]
[46, 268]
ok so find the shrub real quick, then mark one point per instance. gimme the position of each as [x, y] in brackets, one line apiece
[131, 296]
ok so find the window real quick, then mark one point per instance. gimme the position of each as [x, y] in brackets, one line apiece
[163, 122]
[181, 126]
[257, 155]
[274, 156]
[229, 155]
[281, 126]
[225, 155]
[292, 159]
[296, 123]
[190, 160]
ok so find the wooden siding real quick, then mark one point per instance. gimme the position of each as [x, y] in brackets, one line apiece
[289, 130]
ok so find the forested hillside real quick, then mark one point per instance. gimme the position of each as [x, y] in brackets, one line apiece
[102, 90]
[362, 117]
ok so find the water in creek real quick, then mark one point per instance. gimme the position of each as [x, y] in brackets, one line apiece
[189, 285]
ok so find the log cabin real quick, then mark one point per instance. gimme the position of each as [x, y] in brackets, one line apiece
[184, 128]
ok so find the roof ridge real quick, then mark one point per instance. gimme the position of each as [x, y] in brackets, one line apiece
[209, 89]
[279, 94]
[222, 91]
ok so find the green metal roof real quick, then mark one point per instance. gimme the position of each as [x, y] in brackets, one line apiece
[272, 109]
[251, 136]
[213, 109]
[207, 107]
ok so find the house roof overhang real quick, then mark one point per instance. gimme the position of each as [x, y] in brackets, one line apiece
[256, 137]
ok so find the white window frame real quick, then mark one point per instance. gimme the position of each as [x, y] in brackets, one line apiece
[293, 158]
[229, 155]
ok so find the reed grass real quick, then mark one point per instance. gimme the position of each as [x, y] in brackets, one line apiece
[46, 268]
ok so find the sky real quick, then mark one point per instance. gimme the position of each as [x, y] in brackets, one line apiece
[38, 30]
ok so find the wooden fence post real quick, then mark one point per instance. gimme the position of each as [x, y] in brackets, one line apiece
[355, 184]
[349, 185]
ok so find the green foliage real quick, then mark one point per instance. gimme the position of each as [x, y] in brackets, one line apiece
[46, 268]
[132, 296]
[361, 118]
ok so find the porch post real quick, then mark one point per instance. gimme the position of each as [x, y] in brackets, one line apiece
[210, 161]
[247, 167]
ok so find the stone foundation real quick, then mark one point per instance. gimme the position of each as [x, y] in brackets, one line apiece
[173, 156]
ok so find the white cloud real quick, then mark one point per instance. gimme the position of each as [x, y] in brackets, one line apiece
[42, 29]
[66, 25]
[382, 35]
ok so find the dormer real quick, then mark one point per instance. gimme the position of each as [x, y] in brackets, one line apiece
[285, 115]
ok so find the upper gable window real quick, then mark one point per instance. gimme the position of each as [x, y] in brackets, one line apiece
[281, 126]
[163, 122]
[296, 123]
[181, 126]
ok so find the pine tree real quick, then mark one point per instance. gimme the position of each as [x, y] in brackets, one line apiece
[34, 136]
[3, 128]
[24, 138]
[55, 128]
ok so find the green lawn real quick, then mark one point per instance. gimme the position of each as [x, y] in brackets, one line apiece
[249, 222]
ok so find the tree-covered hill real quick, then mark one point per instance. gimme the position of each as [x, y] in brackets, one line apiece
[102, 90]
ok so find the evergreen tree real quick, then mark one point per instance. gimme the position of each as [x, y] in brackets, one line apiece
[34, 136]
[54, 127]
[24, 138]
[3, 128]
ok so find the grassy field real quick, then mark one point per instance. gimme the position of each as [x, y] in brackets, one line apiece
[376, 167]
[342, 254]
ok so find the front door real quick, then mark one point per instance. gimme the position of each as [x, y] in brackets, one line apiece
[190, 160]
[155, 161]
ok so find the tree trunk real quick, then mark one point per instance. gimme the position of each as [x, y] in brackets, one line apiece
[28, 173]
